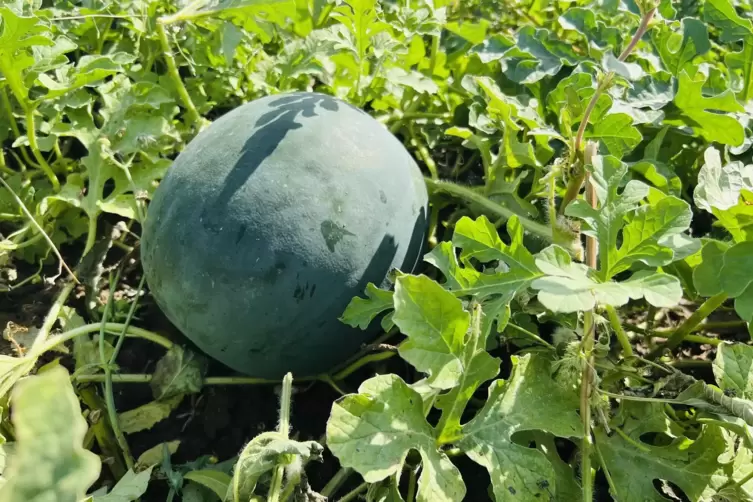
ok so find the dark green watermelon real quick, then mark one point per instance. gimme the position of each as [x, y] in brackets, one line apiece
[271, 220]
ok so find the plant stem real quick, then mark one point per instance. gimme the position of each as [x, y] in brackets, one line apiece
[412, 485]
[49, 321]
[693, 338]
[370, 358]
[642, 29]
[676, 338]
[589, 334]
[622, 337]
[172, 70]
[110, 327]
[704, 326]
[604, 469]
[434, 52]
[337, 480]
[91, 234]
[470, 195]
[112, 412]
[585, 406]
[531, 335]
[31, 133]
[351, 495]
[284, 430]
[423, 152]
[574, 186]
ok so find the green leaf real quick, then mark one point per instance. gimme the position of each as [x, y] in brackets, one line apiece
[569, 101]
[689, 464]
[18, 35]
[361, 311]
[571, 287]
[436, 324]
[479, 240]
[702, 112]
[706, 275]
[179, 371]
[676, 50]
[49, 460]
[646, 236]
[536, 55]
[129, 488]
[144, 417]
[722, 13]
[617, 133]
[724, 269]
[363, 433]
[529, 400]
[593, 30]
[606, 222]
[217, 481]
[88, 70]
[733, 369]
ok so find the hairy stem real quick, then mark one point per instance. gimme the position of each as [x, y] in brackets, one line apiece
[172, 70]
[470, 195]
[585, 406]
[589, 334]
[284, 429]
[575, 184]
[676, 338]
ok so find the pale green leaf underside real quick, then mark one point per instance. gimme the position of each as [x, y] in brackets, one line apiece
[49, 460]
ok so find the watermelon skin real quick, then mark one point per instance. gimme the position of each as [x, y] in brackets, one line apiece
[271, 220]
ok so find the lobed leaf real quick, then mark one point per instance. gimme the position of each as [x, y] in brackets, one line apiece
[373, 431]
[529, 400]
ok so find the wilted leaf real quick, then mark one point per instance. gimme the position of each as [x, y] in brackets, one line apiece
[180, 371]
[145, 416]
[261, 455]
[154, 455]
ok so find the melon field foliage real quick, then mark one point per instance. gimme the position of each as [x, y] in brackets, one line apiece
[578, 327]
